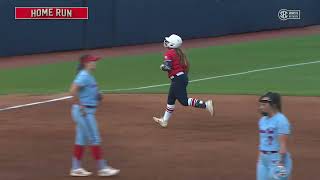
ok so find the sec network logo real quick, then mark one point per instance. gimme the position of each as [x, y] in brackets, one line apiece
[286, 14]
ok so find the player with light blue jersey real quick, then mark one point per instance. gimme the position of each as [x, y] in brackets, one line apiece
[86, 97]
[274, 161]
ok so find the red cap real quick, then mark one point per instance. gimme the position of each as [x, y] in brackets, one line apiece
[88, 58]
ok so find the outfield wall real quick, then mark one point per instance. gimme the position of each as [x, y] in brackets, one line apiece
[128, 22]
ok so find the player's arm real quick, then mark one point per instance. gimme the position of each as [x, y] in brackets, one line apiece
[283, 140]
[167, 62]
[166, 66]
[74, 89]
[283, 137]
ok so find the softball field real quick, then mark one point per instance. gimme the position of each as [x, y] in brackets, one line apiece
[36, 141]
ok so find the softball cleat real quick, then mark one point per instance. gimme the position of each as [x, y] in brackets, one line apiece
[209, 107]
[108, 171]
[80, 172]
[161, 122]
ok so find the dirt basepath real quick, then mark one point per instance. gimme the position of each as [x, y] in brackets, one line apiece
[37, 141]
[30, 60]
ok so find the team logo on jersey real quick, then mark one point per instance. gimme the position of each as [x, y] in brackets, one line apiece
[268, 130]
[285, 14]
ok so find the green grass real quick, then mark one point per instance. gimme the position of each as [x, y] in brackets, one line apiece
[143, 70]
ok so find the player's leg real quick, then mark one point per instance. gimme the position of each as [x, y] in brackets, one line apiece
[169, 109]
[262, 169]
[180, 84]
[170, 104]
[78, 149]
[181, 93]
[103, 168]
[95, 136]
[197, 103]
[180, 89]
[80, 142]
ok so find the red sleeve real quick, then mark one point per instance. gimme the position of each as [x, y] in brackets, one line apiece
[168, 56]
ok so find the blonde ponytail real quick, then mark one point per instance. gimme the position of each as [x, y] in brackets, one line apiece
[183, 58]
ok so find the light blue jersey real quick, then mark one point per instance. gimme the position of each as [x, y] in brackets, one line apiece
[88, 94]
[270, 129]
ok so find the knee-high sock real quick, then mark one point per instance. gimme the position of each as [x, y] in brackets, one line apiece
[168, 112]
[196, 103]
[97, 155]
[77, 156]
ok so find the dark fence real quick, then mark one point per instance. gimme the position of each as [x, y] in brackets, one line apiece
[127, 22]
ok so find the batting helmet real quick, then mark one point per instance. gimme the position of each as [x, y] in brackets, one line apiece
[173, 41]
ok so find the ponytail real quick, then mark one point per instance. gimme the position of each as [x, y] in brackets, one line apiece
[183, 58]
[277, 101]
[80, 67]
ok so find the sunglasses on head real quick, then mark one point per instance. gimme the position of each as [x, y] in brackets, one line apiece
[265, 100]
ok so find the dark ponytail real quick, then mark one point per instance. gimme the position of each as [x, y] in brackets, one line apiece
[277, 101]
[80, 67]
